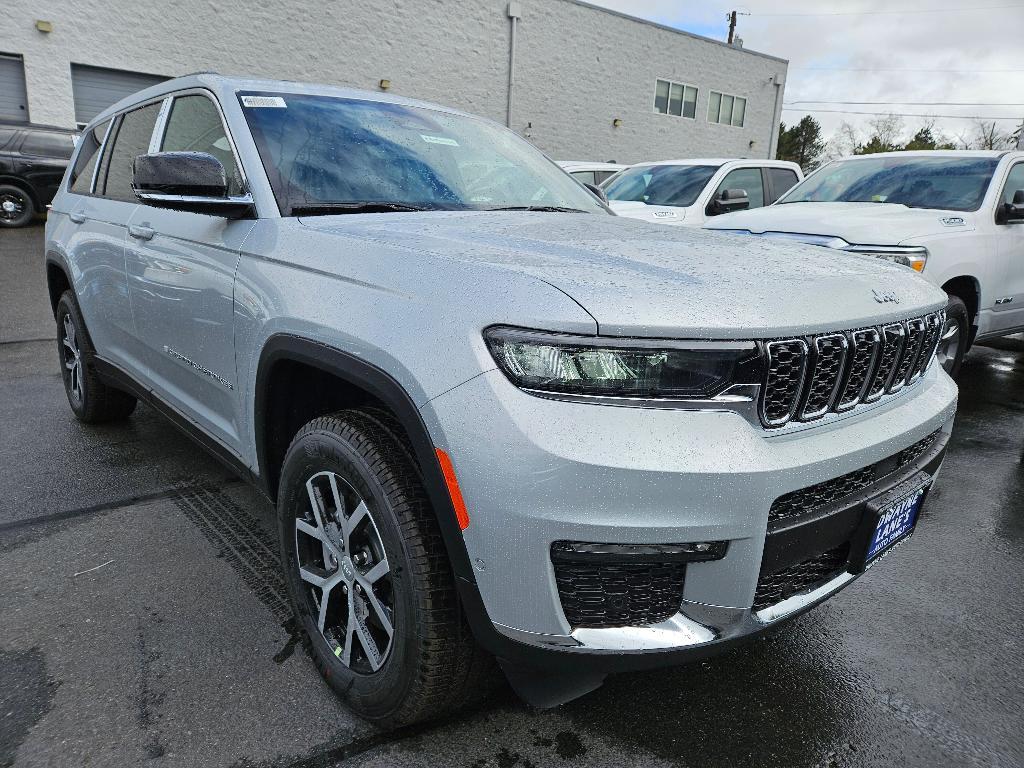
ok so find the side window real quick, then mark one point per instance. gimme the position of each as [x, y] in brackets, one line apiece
[782, 180]
[748, 179]
[47, 144]
[131, 140]
[85, 163]
[584, 177]
[6, 134]
[195, 126]
[1014, 182]
[603, 176]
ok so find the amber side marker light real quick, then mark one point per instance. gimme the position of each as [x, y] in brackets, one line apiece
[453, 488]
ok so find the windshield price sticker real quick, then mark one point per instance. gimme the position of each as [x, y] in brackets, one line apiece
[263, 101]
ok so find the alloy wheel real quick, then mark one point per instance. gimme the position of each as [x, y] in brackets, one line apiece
[12, 206]
[342, 562]
[72, 357]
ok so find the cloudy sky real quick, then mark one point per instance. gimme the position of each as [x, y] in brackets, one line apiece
[864, 51]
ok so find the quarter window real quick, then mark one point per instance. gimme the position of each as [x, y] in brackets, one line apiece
[88, 155]
[195, 126]
[747, 179]
[675, 99]
[726, 109]
[131, 140]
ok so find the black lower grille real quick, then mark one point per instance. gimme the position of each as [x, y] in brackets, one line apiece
[814, 497]
[619, 594]
[775, 587]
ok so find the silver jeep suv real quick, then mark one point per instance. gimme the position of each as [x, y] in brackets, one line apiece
[499, 422]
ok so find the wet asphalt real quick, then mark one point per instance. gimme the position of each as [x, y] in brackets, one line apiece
[143, 622]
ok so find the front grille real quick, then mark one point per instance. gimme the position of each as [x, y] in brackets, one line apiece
[775, 587]
[812, 498]
[599, 594]
[807, 378]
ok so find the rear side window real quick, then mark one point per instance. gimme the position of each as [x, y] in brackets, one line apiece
[195, 126]
[132, 140]
[47, 144]
[85, 163]
[782, 180]
[586, 177]
[6, 134]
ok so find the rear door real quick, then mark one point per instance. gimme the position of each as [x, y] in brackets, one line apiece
[181, 269]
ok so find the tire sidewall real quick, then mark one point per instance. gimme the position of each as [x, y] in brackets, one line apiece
[30, 208]
[957, 310]
[379, 693]
[66, 308]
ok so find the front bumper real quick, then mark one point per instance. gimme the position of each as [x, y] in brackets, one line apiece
[535, 471]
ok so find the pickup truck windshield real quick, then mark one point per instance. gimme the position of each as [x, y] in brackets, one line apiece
[676, 185]
[332, 155]
[947, 183]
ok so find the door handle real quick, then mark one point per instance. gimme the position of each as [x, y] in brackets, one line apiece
[77, 217]
[141, 233]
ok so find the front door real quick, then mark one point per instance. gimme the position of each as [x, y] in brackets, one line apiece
[1008, 312]
[181, 270]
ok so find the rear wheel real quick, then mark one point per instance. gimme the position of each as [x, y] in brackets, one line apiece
[92, 401]
[16, 207]
[368, 574]
[956, 335]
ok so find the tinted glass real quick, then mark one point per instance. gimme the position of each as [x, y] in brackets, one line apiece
[85, 163]
[747, 179]
[782, 179]
[132, 140]
[677, 185]
[321, 150]
[603, 176]
[585, 177]
[46, 144]
[6, 134]
[661, 96]
[195, 126]
[950, 183]
[1014, 182]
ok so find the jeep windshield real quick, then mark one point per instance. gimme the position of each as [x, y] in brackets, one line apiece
[327, 155]
[947, 183]
[675, 185]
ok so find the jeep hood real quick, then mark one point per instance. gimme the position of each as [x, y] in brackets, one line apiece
[856, 223]
[638, 279]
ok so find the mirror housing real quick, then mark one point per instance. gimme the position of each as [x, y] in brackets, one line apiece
[598, 192]
[1012, 212]
[730, 200]
[195, 182]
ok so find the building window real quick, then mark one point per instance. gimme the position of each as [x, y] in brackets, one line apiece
[675, 99]
[726, 109]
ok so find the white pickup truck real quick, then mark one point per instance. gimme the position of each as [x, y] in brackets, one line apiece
[956, 217]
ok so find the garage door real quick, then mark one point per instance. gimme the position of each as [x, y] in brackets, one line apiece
[96, 88]
[13, 99]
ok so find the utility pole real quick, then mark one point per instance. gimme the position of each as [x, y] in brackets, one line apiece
[732, 25]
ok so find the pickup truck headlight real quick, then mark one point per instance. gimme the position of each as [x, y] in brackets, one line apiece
[628, 368]
[915, 258]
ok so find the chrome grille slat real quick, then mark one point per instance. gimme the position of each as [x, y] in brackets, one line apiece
[807, 378]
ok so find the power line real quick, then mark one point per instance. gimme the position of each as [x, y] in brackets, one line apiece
[914, 103]
[872, 69]
[890, 13]
[899, 114]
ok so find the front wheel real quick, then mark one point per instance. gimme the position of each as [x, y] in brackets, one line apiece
[368, 574]
[956, 335]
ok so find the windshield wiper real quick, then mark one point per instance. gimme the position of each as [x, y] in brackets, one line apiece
[541, 208]
[327, 209]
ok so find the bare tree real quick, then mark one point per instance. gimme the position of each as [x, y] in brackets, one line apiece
[990, 136]
[963, 139]
[844, 142]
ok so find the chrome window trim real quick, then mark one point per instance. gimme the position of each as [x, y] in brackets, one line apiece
[100, 151]
[159, 125]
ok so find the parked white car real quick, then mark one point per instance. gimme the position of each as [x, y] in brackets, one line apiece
[590, 172]
[689, 192]
[956, 217]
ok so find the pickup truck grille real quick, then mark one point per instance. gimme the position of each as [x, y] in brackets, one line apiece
[809, 377]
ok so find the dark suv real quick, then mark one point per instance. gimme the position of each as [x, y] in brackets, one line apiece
[33, 159]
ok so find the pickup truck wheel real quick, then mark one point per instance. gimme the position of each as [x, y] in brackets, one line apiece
[16, 208]
[955, 337]
[368, 574]
[91, 400]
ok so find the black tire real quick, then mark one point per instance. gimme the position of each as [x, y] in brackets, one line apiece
[16, 206]
[433, 666]
[92, 401]
[952, 357]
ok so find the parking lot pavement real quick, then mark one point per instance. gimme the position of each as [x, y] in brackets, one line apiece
[142, 620]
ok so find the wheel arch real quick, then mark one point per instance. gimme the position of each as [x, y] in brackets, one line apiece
[58, 280]
[968, 290]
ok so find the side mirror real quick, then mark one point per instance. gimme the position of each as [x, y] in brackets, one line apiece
[187, 181]
[730, 200]
[597, 191]
[1012, 212]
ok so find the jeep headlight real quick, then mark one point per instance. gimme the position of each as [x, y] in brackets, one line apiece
[616, 367]
[915, 258]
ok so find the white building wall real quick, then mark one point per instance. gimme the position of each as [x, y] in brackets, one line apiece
[578, 68]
